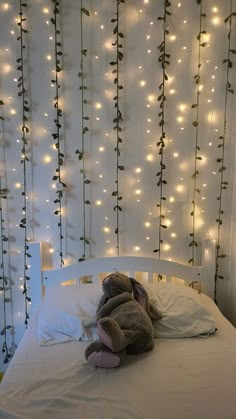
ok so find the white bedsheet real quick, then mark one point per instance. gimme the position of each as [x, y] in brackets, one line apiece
[181, 379]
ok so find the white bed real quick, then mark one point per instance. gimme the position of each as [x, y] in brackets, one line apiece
[187, 378]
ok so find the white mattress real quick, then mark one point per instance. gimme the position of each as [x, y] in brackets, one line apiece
[181, 379]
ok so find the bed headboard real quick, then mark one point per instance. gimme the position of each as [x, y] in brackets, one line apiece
[42, 274]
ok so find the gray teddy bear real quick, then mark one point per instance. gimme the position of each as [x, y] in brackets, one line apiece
[124, 322]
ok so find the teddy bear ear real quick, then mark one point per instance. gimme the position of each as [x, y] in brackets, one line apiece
[107, 278]
[140, 294]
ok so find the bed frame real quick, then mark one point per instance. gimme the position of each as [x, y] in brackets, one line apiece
[42, 274]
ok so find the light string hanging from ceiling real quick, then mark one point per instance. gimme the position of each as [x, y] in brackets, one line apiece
[4, 281]
[221, 160]
[60, 185]
[84, 130]
[161, 181]
[23, 94]
[197, 78]
[118, 118]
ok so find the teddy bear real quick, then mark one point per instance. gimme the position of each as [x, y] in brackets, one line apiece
[124, 322]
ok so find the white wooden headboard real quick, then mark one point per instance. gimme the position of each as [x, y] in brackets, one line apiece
[42, 274]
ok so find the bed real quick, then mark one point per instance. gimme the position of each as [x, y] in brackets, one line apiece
[182, 378]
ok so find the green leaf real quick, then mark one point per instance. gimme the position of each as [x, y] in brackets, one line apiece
[85, 11]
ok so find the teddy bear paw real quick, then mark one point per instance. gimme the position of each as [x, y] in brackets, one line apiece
[98, 355]
[104, 359]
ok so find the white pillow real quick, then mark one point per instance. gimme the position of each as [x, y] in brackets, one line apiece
[69, 313]
[184, 313]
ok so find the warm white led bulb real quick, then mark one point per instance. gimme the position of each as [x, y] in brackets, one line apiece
[47, 158]
[6, 6]
[179, 188]
[150, 157]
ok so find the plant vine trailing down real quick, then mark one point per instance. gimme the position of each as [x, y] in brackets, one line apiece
[164, 60]
[197, 77]
[60, 185]
[84, 130]
[118, 117]
[221, 160]
[22, 93]
[4, 284]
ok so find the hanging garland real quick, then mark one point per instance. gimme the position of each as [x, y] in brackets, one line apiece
[22, 93]
[60, 185]
[118, 117]
[161, 181]
[197, 77]
[84, 130]
[221, 146]
[4, 284]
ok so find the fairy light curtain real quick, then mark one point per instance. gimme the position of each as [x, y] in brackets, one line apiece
[126, 125]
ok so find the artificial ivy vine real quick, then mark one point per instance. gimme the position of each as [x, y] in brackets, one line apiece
[197, 77]
[60, 185]
[221, 159]
[22, 93]
[4, 282]
[164, 60]
[84, 130]
[118, 117]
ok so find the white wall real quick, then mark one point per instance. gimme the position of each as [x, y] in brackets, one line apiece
[143, 33]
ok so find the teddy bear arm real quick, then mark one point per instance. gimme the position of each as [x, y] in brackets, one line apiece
[117, 339]
[112, 303]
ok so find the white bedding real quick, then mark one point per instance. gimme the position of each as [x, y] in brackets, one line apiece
[191, 378]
